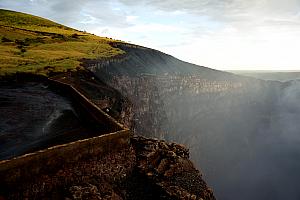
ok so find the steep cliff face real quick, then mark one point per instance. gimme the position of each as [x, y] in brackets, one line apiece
[175, 100]
[224, 119]
[164, 90]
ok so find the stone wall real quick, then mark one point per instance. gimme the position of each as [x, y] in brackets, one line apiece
[21, 169]
[94, 111]
[18, 171]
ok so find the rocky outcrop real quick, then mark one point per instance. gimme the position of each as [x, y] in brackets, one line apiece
[168, 166]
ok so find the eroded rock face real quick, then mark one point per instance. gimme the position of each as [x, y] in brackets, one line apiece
[147, 169]
[169, 167]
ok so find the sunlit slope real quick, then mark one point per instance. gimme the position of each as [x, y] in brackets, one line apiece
[32, 44]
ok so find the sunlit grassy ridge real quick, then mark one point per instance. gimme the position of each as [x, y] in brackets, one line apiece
[32, 44]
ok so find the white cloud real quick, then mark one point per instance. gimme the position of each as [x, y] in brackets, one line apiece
[257, 34]
[131, 18]
[230, 50]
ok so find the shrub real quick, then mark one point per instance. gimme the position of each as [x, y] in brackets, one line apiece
[75, 35]
[4, 39]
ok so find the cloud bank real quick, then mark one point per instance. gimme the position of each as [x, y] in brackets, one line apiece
[223, 34]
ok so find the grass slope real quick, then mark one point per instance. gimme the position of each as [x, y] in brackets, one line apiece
[35, 45]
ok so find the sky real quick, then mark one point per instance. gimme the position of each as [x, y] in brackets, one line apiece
[220, 34]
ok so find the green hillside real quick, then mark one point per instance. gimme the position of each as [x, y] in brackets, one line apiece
[35, 45]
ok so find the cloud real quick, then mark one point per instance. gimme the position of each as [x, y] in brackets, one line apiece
[131, 18]
[222, 28]
[224, 8]
[72, 13]
[257, 34]
[242, 14]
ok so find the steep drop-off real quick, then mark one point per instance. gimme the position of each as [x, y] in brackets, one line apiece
[227, 121]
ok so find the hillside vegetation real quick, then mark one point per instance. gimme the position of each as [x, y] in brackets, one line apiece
[35, 45]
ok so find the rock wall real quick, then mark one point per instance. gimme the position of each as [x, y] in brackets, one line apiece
[160, 101]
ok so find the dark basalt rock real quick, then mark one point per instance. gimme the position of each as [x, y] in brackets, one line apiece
[168, 166]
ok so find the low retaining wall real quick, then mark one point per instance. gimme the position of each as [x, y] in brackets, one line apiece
[19, 170]
[92, 109]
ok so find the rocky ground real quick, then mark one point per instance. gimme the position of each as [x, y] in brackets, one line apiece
[148, 169]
